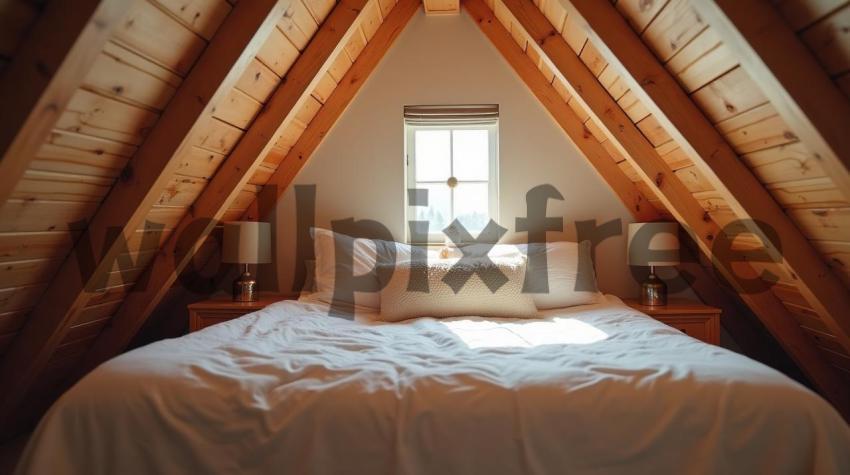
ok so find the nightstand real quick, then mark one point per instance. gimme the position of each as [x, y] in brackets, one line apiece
[691, 318]
[221, 309]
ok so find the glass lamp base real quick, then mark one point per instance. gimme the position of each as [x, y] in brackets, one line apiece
[653, 291]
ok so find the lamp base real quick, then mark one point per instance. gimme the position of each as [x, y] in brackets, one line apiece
[245, 288]
[653, 291]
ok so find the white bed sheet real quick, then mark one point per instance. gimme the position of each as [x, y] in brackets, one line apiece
[592, 389]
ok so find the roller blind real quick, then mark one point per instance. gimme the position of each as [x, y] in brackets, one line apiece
[473, 114]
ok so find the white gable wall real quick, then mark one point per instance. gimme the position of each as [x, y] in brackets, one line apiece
[359, 168]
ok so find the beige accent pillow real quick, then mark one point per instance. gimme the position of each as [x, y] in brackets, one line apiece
[474, 297]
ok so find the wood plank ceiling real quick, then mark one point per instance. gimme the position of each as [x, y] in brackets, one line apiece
[146, 65]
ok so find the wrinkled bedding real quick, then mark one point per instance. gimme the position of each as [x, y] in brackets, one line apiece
[590, 389]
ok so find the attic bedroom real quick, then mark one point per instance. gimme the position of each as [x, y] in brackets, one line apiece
[425, 236]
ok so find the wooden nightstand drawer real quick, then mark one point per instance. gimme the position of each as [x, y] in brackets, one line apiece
[210, 312]
[699, 327]
[691, 318]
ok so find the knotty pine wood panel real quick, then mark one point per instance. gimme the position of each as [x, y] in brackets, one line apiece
[837, 256]
[829, 39]
[324, 88]
[159, 37]
[28, 272]
[320, 9]
[91, 114]
[41, 185]
[18, 298]
[728, 96]
[238, 109]
[341, 64]
[371, 20]
[203, 17]
[278, 53]
[355, 44]
[34, 245]
[573, 34]
[199, 163]
[182, 191]
[824, 224]
[298, 25]
[674, 26]
[640, 12]
[29, 216]
[701, 61]
[800, 14]
[112, 77]
[386, 7]
[218, 136]
[789, 162]
[258, 81]
[75, 161]
[808, 193]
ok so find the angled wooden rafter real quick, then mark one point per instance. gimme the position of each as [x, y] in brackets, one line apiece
[637, 204]
[676, 197]
[790, 77]
[222, 63]
[719, 164]
[640, 208]
[43, 75]
[238, 168]
[336, 104]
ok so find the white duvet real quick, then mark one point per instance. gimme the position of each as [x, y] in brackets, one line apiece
[594, 389]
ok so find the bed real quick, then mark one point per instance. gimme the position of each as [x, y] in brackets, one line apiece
[590, 389]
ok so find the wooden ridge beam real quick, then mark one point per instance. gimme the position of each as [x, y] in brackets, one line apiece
[676, 197]
[718, 163]
[790, 77]
[231, 178]
[43, 75]
[150, 170]
[640, 208]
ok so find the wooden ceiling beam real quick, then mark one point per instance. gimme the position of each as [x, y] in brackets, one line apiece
[43, 75]
[336, 103]
[238, 168]
[675, 196]
[790, 76]
[150, 170]
[717, 161]
[705, 285]
[637, 204]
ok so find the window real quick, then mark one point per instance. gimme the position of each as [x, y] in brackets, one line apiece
[452, 151]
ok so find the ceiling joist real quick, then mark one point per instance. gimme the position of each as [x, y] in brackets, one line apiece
[676, 197]
[128, 202]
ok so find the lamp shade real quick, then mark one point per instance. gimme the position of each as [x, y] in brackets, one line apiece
[653, 244]
[247, 242]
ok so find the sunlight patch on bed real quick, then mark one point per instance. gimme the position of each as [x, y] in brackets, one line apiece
[528, 334]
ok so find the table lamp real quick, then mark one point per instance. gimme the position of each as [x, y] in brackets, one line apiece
[246, 242]
[653, 244]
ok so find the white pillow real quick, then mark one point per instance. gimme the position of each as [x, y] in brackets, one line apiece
[364, 263]
[568, 264]
[474, 297]
[562, 262]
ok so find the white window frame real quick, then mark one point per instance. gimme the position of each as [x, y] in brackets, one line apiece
[437, 236]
